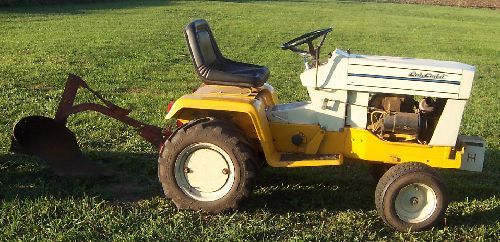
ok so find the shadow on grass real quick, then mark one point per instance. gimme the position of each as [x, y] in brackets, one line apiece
[476, 218]
[349, 187]
[278, 191]
[24, 177]
[80, 8]
[466, 185]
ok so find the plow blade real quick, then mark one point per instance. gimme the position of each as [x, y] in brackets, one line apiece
[53, 142]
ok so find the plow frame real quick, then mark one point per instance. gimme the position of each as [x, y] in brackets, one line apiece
[153, 134]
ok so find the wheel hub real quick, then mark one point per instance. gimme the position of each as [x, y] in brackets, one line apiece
[204, 172]
[415, 203]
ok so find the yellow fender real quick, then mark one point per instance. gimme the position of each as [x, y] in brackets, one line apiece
[248, 112]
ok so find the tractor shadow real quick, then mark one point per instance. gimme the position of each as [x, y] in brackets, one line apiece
[134, 179]
[467, 185]
[351, 187]
[278, 191]
[475, 218]
[474, 193]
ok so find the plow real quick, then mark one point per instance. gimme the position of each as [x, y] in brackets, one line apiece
[399, 115]
[50, 139]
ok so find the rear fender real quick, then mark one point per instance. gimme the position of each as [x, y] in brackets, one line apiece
[184, 126]
[248, 114]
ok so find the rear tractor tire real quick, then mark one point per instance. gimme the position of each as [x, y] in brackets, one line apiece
[207, 166]
[411, 196]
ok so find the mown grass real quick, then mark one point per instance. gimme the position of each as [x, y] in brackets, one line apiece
[134, 53]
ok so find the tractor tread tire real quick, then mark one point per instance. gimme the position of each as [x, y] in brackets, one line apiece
[401, 173]
[221, 133]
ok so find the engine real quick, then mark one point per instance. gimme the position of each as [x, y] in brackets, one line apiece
[396, 117]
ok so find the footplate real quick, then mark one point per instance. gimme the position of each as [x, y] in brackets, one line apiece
[299, 160]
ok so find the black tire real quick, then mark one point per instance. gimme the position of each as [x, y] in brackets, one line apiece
[228, 139]
[405, 177]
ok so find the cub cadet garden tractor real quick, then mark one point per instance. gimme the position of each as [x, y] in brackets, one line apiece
[401, 114]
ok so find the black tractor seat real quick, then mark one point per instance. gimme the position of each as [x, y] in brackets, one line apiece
[213, 67]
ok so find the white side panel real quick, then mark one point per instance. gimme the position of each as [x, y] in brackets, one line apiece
[409, 63]
[330, 106]
[446, 131]
[357, 110]
[401, 91]
[318, 96]
[466, 83]
[327, 109]
[331, 75]
[332, 118]
[473, 157]
[297, 113]
[403, 78]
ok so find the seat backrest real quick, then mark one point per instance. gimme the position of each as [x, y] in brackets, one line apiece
[202, 46]
[212, 67]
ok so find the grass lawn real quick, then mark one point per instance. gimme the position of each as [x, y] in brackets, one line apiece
[135, 54]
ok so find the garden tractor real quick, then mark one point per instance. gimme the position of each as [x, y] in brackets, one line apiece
[401, 115]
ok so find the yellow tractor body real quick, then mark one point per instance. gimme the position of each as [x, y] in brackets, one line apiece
[246, 107]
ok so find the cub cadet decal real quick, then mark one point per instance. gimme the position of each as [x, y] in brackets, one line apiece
[427, 75]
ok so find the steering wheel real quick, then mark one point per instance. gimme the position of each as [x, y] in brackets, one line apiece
[306, 38]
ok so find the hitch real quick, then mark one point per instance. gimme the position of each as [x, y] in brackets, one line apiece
[150, 133]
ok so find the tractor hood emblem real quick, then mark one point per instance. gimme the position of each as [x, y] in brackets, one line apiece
[427, 75]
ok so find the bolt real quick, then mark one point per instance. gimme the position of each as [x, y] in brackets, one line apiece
[225, 171]
[187, 170]
[414, 201]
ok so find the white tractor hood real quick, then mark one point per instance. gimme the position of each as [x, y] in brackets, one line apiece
[369, 73]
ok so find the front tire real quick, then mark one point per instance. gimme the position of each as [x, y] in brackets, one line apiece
[411, 196]
[207, 166]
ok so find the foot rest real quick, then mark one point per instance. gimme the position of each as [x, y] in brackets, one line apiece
[299, 160]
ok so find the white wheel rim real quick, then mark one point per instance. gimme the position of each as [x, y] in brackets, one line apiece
[204, 171]
[415, 203]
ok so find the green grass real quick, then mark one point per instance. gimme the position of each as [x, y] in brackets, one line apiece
[135, 54]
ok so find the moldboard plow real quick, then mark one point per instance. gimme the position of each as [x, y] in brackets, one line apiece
[50, 139]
